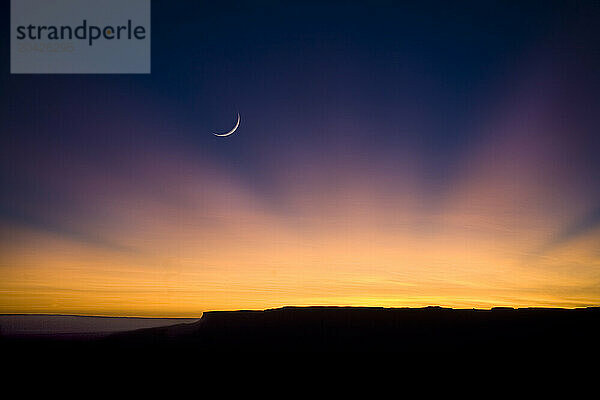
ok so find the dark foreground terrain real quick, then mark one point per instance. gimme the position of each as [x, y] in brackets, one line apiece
[346, 329]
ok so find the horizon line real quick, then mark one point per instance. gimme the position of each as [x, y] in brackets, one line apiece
[495, 308]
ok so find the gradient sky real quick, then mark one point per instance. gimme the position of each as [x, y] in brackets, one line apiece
[426, 153]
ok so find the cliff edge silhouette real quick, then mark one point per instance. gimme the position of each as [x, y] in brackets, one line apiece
[355, 329]
[378, 329]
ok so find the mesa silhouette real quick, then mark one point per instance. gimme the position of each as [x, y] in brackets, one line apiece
[356, 329]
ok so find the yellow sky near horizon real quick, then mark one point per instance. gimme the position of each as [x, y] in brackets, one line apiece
[343, 248]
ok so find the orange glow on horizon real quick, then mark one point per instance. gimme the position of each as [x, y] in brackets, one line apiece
[356, 244]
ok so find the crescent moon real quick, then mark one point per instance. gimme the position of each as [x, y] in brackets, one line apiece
[237, 124]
